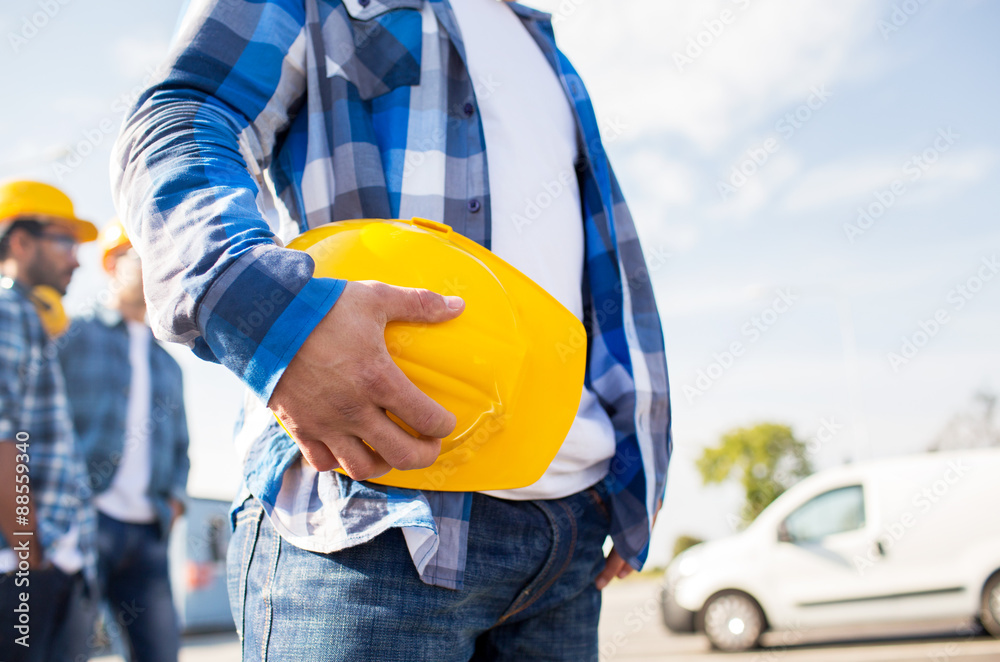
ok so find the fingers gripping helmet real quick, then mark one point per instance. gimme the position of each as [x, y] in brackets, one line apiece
[510, 367]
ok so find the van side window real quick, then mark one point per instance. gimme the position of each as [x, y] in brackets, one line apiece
[836, 511]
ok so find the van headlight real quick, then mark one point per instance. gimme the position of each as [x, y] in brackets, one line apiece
[688, 565]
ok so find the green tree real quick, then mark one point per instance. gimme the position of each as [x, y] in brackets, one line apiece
[684, 542]
[767, 459]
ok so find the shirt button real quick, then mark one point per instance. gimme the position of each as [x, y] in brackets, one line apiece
[474, 205]
[468, 109]
[364, 3]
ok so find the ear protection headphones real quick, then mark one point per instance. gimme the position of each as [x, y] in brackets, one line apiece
[48, 305]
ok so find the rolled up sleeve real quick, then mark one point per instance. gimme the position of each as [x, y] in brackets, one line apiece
[186, 173]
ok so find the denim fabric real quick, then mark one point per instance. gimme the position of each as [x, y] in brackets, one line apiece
[529, 590]
[133, 578]
[33, 402]
[61, 617]
[94, 354]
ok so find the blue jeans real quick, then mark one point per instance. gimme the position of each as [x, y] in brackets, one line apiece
[134, 580]
[529, 590]
[61, 617]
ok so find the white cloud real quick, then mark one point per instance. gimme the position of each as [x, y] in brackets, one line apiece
[660, 192]
[753, 69]
[134, 57]
[649, 173]
[851, 180]
[28, 157]
[683, 303]
[758, 190]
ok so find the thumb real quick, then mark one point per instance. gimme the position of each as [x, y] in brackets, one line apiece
[408, 304]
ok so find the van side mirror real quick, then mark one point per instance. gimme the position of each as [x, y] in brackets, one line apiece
[783, 535]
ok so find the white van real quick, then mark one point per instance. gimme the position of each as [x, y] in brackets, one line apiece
[908, 539]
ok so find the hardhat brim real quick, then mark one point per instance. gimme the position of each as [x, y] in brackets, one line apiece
[31, 200]
[84, 231]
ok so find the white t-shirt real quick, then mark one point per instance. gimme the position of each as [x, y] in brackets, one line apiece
[537, 226]
[126, 499]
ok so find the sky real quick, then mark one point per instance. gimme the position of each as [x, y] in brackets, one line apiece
[814, 183]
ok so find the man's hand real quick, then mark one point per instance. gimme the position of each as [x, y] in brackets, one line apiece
[176, 510]
[338, 387]
[614, 566]
[10, 457]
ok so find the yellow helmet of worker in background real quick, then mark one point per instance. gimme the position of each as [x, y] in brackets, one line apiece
[27, 200]
[111, 240]
[35, 201]
[510, 367]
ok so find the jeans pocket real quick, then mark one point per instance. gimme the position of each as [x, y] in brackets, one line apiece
[238, 556]
[602, 503]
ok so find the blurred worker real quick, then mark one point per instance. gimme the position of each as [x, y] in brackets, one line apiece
[126, 396]
[47, 548]
[459, 111]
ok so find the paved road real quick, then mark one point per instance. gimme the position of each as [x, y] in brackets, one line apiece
[631, 632]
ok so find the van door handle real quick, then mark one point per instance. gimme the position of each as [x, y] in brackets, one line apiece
[880, 547]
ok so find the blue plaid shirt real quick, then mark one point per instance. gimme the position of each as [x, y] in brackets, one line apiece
[33, 400]
[94, 355]
[276, 116]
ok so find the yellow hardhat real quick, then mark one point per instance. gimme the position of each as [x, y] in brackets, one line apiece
[37, 201]
[510, 367]
[112, 239]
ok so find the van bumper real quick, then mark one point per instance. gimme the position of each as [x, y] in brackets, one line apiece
[675, 617]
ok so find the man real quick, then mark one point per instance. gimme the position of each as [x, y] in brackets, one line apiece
[135, 449]
[310, 111]
[46, 550]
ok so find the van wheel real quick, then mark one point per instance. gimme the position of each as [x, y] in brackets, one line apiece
[990, 613]
[733, 621]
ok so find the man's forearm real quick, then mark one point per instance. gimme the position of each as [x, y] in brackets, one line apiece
[16, 494]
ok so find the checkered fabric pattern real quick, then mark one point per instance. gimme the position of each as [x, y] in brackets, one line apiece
[273, 117]
[33, 400]
[96, 367]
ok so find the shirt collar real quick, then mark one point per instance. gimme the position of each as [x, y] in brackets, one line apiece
[529, 13]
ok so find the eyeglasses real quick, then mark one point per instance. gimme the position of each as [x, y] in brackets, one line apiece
[63, 242]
